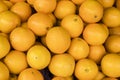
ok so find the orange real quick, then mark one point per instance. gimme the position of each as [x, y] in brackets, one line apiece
[73, 24]
[96, 53]
[43, 40]
[62, 65]
[112, 43]
[3, 6]
[95, 34]
[117, 4]
[4, 72]
[111, 17]
[79, 48]
[78, 2]
[15, 1]
[23, 9]
[8, 21]
[99, 76]
[91, 11]
[86, 69]
[109, 78]
[114, 31]
[30, 74]
[39, 23]
[110, 65]
[52, 16]
[8, 3]
[16, 61]
[4, 46]
[58, 40]
[107, 3]
[30, 2]
[22, 38]
[38, 57]
[64, 8]
[45, 6]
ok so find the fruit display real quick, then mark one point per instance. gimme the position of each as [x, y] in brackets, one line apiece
[59, 39]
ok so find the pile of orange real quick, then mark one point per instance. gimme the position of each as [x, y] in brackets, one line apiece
[59, 39]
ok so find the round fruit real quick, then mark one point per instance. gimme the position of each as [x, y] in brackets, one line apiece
[3, 6]
[23, 9]
[79, 48]
[78, 2]
[30, 74]
[38, 57]
[58, 40]
[22, 38]
[86, 69]
[39, 23]
[8, 21]
[111, 17]
[45, 6]
[4, 46]
[112, 44]
[114, 31]
[16, 61]
[95, 34]
[99, 76]
[91, 11]
[110, 65]
[64, 8]
[73, 24]
[62, 65]
[4, 72]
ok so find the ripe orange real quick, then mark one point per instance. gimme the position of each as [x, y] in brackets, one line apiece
[99, 76]
[62, 65]
[96, 53]
[45, 6]
[3, 6]
[78, 2]
[4, 46]
[52, 16]
[39, 23]
[107, 3]
[86, 69]
[8, 21]
[64, 8]
[23, 9]
[16, 61]
[73, 24]
[110, 65]
[38, 57]
[79, 48]
[114, 31]
[58, 40]
[112, 44]
[95, 34]
[91, 11]
[4, 72]
[30, 2]
[8, 3]
[111, 17]
[30, 74]
[22, 38]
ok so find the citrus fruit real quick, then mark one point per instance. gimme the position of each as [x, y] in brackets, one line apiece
[73, 24]
[107, 3]
[39, 23]
[95, 33]
[114, 31]
[30, 74]
[110, 65]
[86, 69]
[111, 17]
[99, 76]
[4, 72]
[78, 2]
[62, 65]
[8, 3]
[38, 57]
[15, 1]
[45, 6]
[4, 46]
[23, 9]
[64, 8]
[79, 48]
[117, 4]
[96, 53]
[91, 11]
[22, 38]
[112, 44]
[16, 61]
[8, 21]
[3, 6]
[58, 40]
